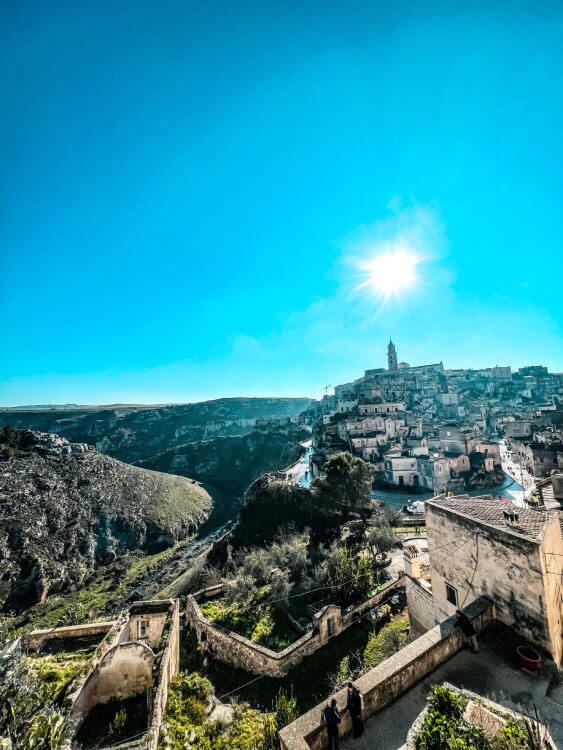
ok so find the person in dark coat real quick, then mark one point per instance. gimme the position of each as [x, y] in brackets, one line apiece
[354, 703]
[463, 622]
[332, 720]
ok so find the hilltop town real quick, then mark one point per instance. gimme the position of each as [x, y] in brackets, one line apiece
[427, 427]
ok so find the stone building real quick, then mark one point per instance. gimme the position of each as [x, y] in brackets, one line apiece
[382, 408]
[483, 546]
[434, 471]
[540, 459]
[455, 438]
[490, 449]
[138, 656]
[401, 469]
[518, 429]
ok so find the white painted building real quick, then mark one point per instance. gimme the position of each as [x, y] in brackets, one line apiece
[401, 470]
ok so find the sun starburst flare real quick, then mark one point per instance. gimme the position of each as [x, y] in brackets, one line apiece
[389, 272]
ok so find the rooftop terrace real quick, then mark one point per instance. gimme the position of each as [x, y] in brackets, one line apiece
[494, 673]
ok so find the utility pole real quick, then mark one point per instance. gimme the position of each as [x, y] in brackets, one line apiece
[523, 487]
[326, 388]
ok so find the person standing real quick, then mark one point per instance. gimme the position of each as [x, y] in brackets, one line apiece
[332, 719]
[355, 703]
[463, 622]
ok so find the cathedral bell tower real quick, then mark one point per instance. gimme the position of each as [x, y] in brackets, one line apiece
[391, 357]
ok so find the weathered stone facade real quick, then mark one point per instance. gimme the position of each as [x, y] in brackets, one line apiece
[140, 654]
[517, 560]
[36, 638]
[419, 592]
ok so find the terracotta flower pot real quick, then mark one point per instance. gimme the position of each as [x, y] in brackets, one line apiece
[529, 657]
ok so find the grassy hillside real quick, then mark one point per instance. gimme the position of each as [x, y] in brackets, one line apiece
[66, 509]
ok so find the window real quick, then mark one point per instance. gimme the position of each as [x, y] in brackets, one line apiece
[141, 630]
[451, 594]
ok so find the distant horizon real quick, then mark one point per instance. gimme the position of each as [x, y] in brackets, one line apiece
[86, 405]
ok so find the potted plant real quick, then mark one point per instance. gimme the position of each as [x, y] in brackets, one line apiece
[529, 658]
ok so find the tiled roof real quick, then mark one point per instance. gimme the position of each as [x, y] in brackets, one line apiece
[489, 511]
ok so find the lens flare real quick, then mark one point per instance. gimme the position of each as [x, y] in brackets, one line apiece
[390, 272]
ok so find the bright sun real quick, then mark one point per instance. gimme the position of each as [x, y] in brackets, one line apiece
[390, 272]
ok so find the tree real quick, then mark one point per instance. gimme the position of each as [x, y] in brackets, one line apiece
[391, 639]
[347, 485]
[240, 588]
[352, 578]
[9, 435]
[381, 540]
[280, 586]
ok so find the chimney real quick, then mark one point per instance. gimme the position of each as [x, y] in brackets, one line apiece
[412, 561]
[511, 519]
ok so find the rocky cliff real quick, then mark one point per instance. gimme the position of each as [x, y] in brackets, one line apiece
[136, 433]
[65, 507]
[231, 463]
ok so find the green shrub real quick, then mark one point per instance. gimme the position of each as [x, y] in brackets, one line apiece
[285, 709]
[445, 702]
[230, 617]
[264, 628]
[194, 685]
[344, 669]
[510, 737]
[444, 728]
[390, 639]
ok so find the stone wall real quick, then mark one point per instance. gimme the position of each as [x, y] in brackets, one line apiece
[169, 668]
[234, 649]
[420, 604]
[124, 671]
[386, 682]
[240, 652]
[152, 625]
[33, 640]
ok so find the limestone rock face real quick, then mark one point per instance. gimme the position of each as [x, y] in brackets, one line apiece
[138, 433]
[233, 462]
[65, 508]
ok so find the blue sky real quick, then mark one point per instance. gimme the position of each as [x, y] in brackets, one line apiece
[188, 190]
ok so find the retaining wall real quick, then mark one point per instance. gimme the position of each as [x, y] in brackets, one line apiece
[234, 649]
[384, 683]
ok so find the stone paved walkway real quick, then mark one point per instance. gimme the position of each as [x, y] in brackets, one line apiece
[493, 673]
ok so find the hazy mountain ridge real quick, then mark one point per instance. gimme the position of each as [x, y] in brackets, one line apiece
[135, 434]
[64, 508]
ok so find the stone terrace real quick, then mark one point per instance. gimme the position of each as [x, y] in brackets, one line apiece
[493, 673]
